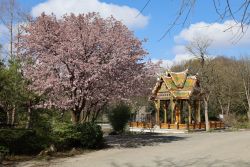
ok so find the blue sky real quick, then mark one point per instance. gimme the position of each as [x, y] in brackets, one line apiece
[153, 23]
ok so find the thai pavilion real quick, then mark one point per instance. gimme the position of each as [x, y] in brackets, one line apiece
[178, 95]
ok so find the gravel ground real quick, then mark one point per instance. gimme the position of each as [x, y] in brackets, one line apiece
[199, 149]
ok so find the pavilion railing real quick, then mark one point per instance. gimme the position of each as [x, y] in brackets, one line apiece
[193, 126]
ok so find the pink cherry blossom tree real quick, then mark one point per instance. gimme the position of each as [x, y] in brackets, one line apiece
[81, 63]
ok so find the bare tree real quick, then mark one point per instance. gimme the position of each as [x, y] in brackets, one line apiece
[7, 18]
[199, 49]
[244, 71]
[12, 17]
[227, 85]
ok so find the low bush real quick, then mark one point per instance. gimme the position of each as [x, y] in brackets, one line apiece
[237, 121]
[64, 136]
[91, 135]
[119, 117]
[22, 141]
[3, 151]
[242, 125]
[86, 135]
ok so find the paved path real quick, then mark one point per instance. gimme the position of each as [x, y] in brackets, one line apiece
[189, 150]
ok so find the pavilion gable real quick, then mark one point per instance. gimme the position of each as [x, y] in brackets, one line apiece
[179, 78]
[177, 85]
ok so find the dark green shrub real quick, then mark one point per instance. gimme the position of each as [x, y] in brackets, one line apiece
[3, 151]
[65, 136]
[91, 135]
[86, 135]
[22, 141]
[119, 117]
[42, 120]
[2, 116]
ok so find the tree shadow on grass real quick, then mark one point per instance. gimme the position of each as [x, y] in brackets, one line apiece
[139, 140]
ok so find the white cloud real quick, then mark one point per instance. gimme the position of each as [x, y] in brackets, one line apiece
[220, 34]
[180, 56]
[164, 63]
[125, 14]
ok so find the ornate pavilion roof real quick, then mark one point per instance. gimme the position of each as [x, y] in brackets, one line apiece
[177, 85]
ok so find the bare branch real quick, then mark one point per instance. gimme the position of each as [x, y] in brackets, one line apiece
[186, 7]
[230, 11]
[224, 10]
[143, 8]
[217, 10]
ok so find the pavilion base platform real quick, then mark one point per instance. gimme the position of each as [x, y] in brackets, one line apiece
[173, 128]
[157, 130]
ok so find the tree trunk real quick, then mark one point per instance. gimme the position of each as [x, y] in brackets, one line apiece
[11, 27]
[29, 116]
[8, 117]
[86, 114]
[206, 113]
[247, 93]
[13, 115]
[228, 106]
[221, 107]
[248, 113]
[75, 116]
[95, 115]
